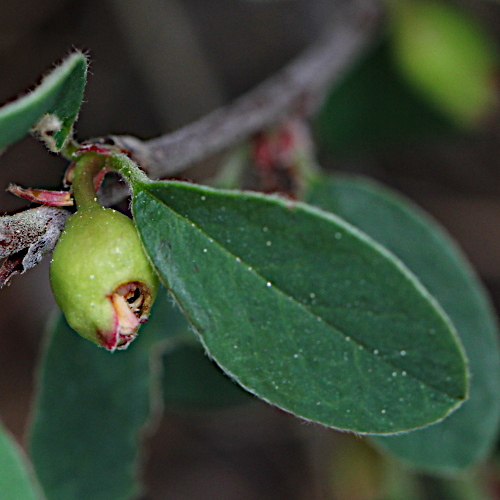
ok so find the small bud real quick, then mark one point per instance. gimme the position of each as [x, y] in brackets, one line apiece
[101, 277]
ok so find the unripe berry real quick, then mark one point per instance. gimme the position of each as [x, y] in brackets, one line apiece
[101, 277]
[446, 56]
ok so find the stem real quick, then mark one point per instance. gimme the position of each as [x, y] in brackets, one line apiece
[87, 166]
[70, 147]
[128, 169]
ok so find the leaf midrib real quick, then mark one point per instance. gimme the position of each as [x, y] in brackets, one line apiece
[338, 331]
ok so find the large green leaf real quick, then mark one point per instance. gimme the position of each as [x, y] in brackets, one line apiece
[91, 409]
[468, 434]
[302, 309]
[57, 100]
[17, 481]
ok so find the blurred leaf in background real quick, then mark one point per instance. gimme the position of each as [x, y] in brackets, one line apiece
[93, 408]
[433, 73]
[448, 57]
[17, 480]
[374, 108]
[191, 381]
[465, 437]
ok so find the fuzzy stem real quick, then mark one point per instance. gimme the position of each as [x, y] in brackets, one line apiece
[128, 169]
[69, 148]
[87, 166]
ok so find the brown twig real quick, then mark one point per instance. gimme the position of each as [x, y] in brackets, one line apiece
[297, 88]
[26, 237]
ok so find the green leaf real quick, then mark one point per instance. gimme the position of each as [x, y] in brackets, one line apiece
[17, 482]
[51, 108]
[91, 409]
[448, 57]
[302, 309]
[373, 108]
[467, 435]
[191, 381]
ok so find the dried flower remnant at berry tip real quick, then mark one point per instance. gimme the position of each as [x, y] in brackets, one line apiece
[131, 303]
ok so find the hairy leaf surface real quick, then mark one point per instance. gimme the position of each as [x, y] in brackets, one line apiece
[51, 108]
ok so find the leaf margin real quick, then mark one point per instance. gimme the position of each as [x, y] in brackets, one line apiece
[140, 185]
[46, 93]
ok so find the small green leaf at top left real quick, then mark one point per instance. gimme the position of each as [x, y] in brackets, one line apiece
[50, 110]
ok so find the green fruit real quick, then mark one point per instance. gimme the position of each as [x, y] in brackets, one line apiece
[447, 57]
[101, 277]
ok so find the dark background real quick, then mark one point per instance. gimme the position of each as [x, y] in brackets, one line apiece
[157, 65]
